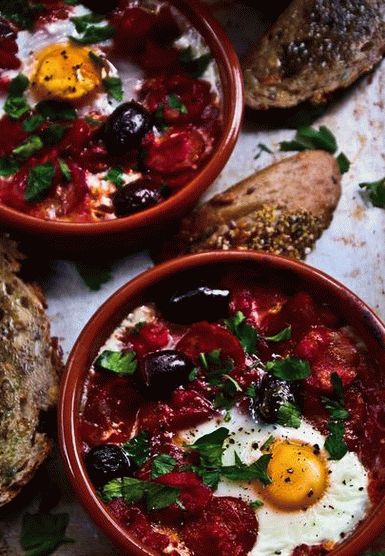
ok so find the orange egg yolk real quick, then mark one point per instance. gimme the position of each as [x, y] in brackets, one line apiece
[65, 72]
[298, 473]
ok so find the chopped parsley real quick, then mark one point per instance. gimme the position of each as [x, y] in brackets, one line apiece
[290, 368]
[29, 147]
[281, 336]
[84, 21]
[16, 105]
[251, 391]
[138, 448]
[256, 504]
[194, 66]
[114, 175]
[193, 374]
[122, 363]
[175, 103]
[262, 149]
[228, 389]
[162, 464]
[91, 34]
[376, 192]
[8, 166]
[53, 134]
[65, 170]
[268, 442]
[98, 60]
[309, 138]
[18, 85]
[42, 533]
[39, 182]
[32, 123]
[155, 495]
[21, 12]
[210, 447]
[245, 333]
[289, 415]
[114, 88]
[94, 274]
[56, 110]
[335, 406]
[242, 472]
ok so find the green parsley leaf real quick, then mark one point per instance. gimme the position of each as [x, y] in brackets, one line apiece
[132, 490]
[245, 333]
[98, 60]
[94, 34]
[55, 110]
[175, 102]
[82, 22]
[243, 472]
[32, 123]
[114, 88]
[289, 415]
[72, 2]
[251, 391]
[343, 163]
[376, 192]
[138, 448]
[193, 374]
[93, 121]
[18, 85]
[195, 67]
[210, 477]
[256, 504]
[225, 399]
[310, 138]
[210, 447]
[284, 334]
[291, 368]
[122, 363]
[268, 442]
[39, 182]
[93, 274]
[42, 533]
[65, 170]
[213, 364]
[335, 443]
[16, 106]
[8, 167]
[262, 149]
[21, 12]
[28, 148]
[53, 134]
[114, 175]
[162, 464]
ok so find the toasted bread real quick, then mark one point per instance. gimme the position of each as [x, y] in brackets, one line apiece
[282, 209]
[314, 48]
[29, 375]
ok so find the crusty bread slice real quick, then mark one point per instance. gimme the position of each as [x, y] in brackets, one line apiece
[29, 375]
[314, 48]
[282, 209]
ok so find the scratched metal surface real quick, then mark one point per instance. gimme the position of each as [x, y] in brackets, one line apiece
[351, 250]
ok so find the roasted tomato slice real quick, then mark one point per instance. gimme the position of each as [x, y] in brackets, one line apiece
[150, 337]
[204, 337]
[261, 306]
[177, 150]
[328, 351]
[228, 526]
[133, 27]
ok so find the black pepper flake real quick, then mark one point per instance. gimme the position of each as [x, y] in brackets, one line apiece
[287, 480]
[254, 445]
[310, 493]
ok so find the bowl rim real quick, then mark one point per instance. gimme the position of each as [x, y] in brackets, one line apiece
[231, 79]
[68, 407]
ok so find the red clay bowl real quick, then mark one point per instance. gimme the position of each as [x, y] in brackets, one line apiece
[134, 231]
[140, 290]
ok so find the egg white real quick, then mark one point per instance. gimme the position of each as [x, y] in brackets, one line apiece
[343, 505]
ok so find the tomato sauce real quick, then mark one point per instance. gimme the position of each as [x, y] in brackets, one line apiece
[116, 408]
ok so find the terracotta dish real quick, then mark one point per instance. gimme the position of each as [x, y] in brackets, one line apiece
[338, 313]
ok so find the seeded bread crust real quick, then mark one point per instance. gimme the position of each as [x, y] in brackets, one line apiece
[314, 48]
[282, 209]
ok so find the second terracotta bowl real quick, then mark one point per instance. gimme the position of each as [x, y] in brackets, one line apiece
[141, 290]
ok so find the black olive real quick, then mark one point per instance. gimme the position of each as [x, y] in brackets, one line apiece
[6, 31]
[271, 395]
[202, 303]
[134, 197]
[163, 371]
[125, 128]
[107, 462]
[100, 6]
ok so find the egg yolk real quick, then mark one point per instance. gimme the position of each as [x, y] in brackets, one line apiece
[65, 72]
[298, 473]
